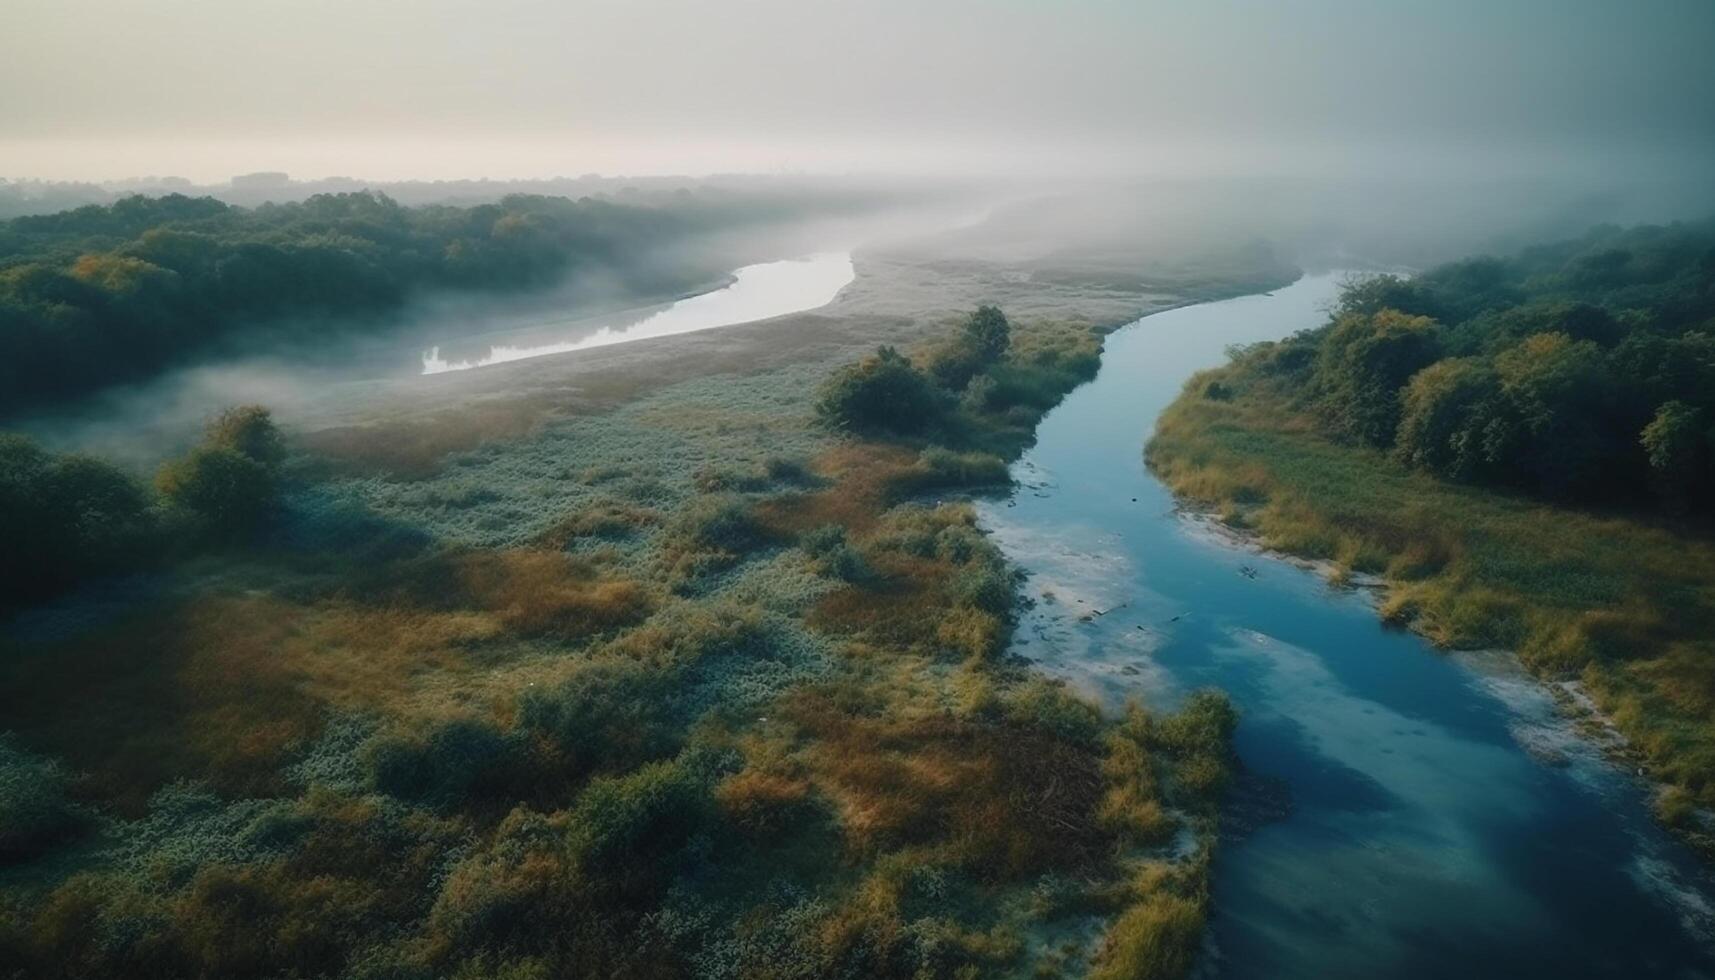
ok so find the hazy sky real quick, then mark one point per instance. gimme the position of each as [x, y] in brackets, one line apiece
[437, 88]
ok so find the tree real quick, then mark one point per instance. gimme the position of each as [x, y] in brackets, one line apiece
[230, 480]
[1678, 441]
[1445, 410]
[250, 431]
[227, 490]
[64, 519]
[883, 392]
[988, 332]
[982, 340]
[1363, 362]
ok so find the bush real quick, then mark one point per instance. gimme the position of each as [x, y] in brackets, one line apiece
[937, 468]
[248, 430]
[881, 393]
[610, 715]
[65, 519]
[34, 811]
[229, 481]
[982, 340]
[454, 762]
[621, 822]
[229, 493]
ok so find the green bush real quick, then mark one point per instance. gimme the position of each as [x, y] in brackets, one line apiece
[34, 810]
[720, 522]
[612, 715]
[64, 519]
[621, 822]
[455, 761]
[230, 482]
[881, 393]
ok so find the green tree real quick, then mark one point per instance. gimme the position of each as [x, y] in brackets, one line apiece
[64, 518]
[988, 332]
[982, 340]
[231, 480]
[1363, 362]
[229, 492]
[250, 431]
[1445, 411]
[1678, 441]
[883, 392]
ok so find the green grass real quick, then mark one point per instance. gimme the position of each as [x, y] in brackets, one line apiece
[1624, 605]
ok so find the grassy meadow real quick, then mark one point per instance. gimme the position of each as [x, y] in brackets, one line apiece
[700, 686]
[1625, 604]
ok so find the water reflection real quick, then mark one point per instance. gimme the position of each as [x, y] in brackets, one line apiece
[757, 292]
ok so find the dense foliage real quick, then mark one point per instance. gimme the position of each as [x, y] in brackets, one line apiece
[1582, 371]
[70, 518]
[65, 518]
[978, 388]
[109, 293]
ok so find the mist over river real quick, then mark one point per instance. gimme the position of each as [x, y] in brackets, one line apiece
[1405, 812]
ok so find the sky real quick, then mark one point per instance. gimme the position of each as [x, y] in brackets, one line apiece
[393, 89]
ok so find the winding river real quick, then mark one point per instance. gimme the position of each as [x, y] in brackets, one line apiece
[1406, 812]
[756, 292]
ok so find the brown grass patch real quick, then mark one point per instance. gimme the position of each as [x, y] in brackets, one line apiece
[1014, 800]
[549, 593]
[862, 474]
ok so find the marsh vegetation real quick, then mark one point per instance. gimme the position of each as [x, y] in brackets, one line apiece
[713, 684]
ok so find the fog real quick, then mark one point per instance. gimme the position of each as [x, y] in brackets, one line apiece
[1336, 133]
[105, 89]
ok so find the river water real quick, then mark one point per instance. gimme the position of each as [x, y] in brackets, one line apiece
[756, 292]
[1409, 813]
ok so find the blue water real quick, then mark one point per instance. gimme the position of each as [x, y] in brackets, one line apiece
[1443, 821]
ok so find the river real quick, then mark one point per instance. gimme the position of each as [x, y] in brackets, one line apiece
[1431, 814]
[756, 292]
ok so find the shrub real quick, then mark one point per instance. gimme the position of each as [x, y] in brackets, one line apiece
[229, 492]
[720, 522]
[610, 715]
[454, 762]
[941, 469]
[34, 811]
[760, 801]
[64, 519]
[621, 822]
[1046, 705]
[881, 393]
[230, 480]
[248, 430]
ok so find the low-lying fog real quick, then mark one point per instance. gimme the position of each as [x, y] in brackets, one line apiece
[1140, 227]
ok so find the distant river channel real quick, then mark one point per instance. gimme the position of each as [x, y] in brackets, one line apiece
[1405, 812]
[756, 292]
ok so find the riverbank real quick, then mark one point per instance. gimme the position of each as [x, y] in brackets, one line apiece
[1618, 605]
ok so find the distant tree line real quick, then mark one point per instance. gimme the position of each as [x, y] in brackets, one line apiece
[1581, 371]
[102, 294]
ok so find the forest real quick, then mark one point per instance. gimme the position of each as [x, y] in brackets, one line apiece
[110, 293]
[1581, 372]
